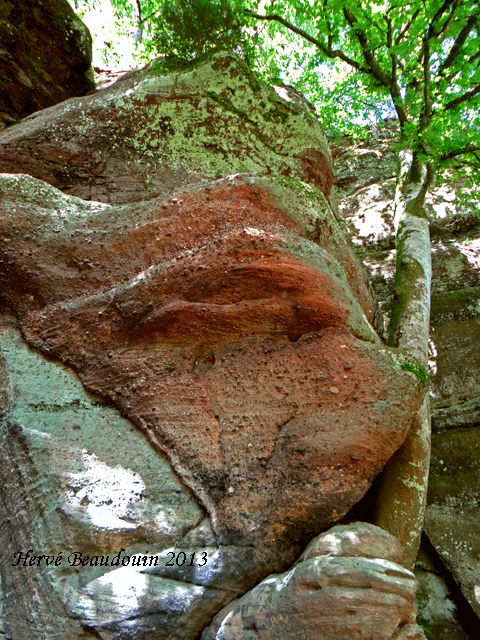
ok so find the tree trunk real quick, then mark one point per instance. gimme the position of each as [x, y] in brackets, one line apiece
[402, 496]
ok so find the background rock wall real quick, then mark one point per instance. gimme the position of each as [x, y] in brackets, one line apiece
[365, 177]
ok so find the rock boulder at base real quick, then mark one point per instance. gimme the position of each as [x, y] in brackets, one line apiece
[334, 593]
[45, 57]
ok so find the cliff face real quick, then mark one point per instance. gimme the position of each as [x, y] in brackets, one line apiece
[176, 245]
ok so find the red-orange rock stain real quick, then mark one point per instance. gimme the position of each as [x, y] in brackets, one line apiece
[222, 346]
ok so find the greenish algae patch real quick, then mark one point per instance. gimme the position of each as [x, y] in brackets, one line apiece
[55, 212]
[448, 306]
[418, 370]
[201, 102]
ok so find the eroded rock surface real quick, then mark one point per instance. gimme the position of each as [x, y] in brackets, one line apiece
[76, 476]
[149, 133]
[45, 57]
[452, 520]
[354, 564]
[228, 319]
[233, 341]
[438, 608]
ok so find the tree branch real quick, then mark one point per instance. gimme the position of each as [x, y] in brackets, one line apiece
[407, 26]
[433, 33]
[457, 45]
[427, 98]
[139, 9]
[474, 57]
[460, 152]
[468, 163]
[362, 38]
[326, 50]
[148, 17]
[395, 89]
[463, 98]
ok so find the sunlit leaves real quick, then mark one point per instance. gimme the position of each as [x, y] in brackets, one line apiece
[419, 60]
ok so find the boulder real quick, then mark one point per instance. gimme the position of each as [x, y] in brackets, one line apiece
[45, 57]
[360, 539]
[233, 341]
[151, 132]
[208, 293]
[334, 592]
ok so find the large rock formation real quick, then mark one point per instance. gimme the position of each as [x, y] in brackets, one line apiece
[231, 339]
[77, 477]
[45, 57]
[225, 315]
[149, 133]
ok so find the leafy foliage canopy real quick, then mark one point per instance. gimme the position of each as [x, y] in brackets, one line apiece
[187, 29]
[417, 61]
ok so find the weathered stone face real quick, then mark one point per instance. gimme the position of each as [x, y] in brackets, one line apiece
[150, 133]
[451, 520]
[346, 564]
[233, 341]
[45, 59]
[76, 476]
[228, 319]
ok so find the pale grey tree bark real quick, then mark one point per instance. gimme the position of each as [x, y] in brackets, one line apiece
[402, 497]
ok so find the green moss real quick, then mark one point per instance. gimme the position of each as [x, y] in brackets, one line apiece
[417, 369]
[301, 189]
[229, 106]
[415, 208]
[174, 64]
[157, 68]
[275, 115]
[422, 622]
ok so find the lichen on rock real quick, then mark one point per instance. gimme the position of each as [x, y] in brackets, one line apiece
[172, 241]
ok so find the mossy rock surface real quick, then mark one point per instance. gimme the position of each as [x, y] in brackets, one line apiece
[148, 133]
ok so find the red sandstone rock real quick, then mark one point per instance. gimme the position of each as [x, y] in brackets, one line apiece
[227, 318]
[219, 330]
